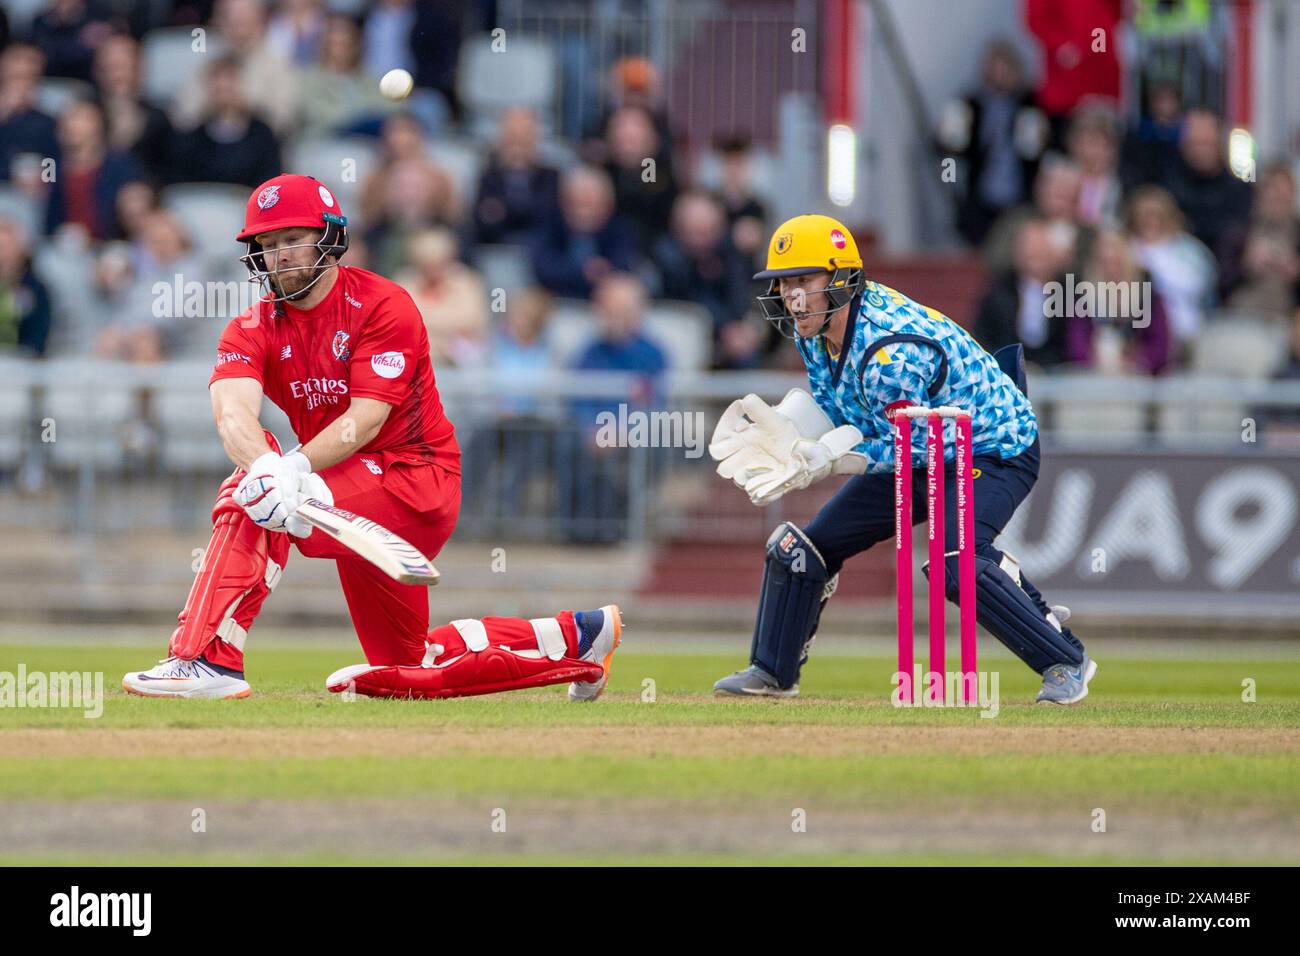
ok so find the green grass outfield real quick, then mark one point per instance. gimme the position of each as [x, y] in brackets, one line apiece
[1165, 743]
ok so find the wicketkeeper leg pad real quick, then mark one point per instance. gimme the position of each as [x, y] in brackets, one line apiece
[795, 583]
[1004, 610]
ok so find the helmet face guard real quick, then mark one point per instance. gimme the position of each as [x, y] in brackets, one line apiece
[846, 282]
[333, 242]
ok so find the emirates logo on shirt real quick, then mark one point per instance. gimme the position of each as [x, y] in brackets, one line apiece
[319, 391]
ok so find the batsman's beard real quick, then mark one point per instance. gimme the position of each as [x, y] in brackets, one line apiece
[282, 280]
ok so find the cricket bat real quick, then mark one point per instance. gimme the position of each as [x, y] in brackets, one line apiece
[393, 555]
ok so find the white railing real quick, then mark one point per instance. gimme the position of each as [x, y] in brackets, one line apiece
[95, 430]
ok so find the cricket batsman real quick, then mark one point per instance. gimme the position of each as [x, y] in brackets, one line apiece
[870, 350]
[345, 354]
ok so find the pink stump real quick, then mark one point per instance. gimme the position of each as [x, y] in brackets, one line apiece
[934, 508]
[966, 555]
[903, 547]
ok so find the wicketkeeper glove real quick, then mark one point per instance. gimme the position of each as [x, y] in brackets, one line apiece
[774, 450]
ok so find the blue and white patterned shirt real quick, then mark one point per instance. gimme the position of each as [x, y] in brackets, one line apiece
[901, 352]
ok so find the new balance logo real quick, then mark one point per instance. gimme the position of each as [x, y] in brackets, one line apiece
[286, 352]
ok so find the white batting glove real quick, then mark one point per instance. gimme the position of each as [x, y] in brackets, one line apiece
[313, 487]
[268, 492]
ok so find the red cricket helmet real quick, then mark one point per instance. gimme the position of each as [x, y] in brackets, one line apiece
[286, 201]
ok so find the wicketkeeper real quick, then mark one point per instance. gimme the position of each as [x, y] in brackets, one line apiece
[345, 354]
[870, 350]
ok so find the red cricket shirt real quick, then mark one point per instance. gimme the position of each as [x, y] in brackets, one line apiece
[364, 339]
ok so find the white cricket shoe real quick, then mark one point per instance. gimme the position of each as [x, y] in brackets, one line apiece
[195, 679]
[598, 635]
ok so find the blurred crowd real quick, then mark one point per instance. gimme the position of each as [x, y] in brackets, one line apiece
[1060, 189]
[95, 164]
[131, 133]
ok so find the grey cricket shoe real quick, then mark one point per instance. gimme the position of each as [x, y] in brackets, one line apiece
[753, 681]
[1067, 683]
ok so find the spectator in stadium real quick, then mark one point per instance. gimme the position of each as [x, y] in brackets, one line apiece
[593, 486]
[584, 241]
[345, 98]
[1015, 307]
[633, 81]
[746, 214]
[1150, 150]
[406, 193]
[1261, 258]
[68, 33]
[387, 37]
[1111, 332]
[1210, 196]
[696, 261]
[516, 435]
[84, 193]
[265, 75]
[25, 315]
[434, 41]
[641, 167]
[24, 130]
[521, 345]
[297, 30]
[135, 202]
[618, 304]
[1000, 135]
[125, 283]
[517, 192]
[231, 143]
[1094, 147]
[1080, 43]
[134, 125]
[451, 298]
[1056, 199]
[1181, 267]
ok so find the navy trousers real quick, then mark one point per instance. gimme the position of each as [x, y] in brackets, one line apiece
[861, 513]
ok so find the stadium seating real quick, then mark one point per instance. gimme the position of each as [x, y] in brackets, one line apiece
[67, 272]
[27, 212]
[22, 12]
[212, 214]
[462, 159]
[1241, 346]
[504, 267]
[168, 60]
[487, 82]
[341, 162]
[681, 329]
[55, 94]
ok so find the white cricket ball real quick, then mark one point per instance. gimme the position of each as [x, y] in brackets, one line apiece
[396, 84]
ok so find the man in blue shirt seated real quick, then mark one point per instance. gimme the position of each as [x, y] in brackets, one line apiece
[593, 479]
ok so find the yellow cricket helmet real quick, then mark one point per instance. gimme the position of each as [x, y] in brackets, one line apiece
[803, 245]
